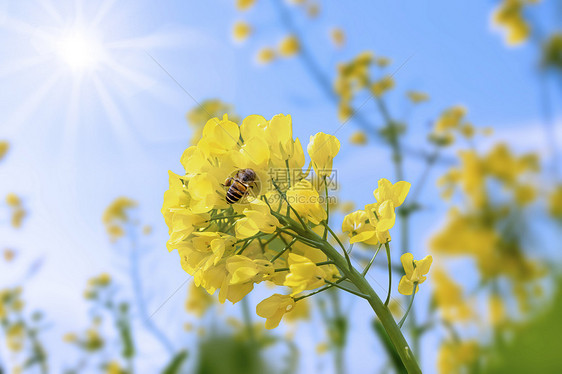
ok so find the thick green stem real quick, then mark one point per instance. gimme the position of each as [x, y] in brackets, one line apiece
[382, 312]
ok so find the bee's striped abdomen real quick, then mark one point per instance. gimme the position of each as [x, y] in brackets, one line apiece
[235, 192]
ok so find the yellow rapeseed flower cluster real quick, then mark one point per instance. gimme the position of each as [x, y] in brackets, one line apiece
[450, 123]
[236, 213]
[457, 356]
[354, 76]
[495, 190]
[10, 302]
[96, 285]
[116, 216]
[372, 224]
[450, 298]
[509, 17]
[198, 301]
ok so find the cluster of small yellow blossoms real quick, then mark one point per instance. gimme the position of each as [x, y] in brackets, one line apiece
[116, 216]
[372, 224]
[198, 300]
[289, 46]
[90, 340]
[354, 76]
[96, 285]
[451, 122]
[20, 332]
[198, 116]
[496, 188]
[18, 212]
[457, 356]
[450, 297]
[509, 16]
[245, 212]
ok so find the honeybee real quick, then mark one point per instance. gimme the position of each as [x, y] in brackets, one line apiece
[239, 185]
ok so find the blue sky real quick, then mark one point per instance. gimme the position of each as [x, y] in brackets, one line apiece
[80, 140]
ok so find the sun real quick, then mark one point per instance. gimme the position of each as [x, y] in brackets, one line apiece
[79, 50]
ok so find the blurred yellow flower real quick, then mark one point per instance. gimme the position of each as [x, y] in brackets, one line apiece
[415, 273]
[113, 367]
[13, 200]
[358, 137]
[509, 16]
[4, 148]
[15, 337]
[245, 4]
[289, 46]
[198, 300]
[241, 31]
[338, 37]
[449, 297]
[417, 97]
[273, 308]
[8, 254]
[457, 357]
[266, 55]
[70, 338]
[313, 10]
[116, 216]
[382, 86]
[322, 348]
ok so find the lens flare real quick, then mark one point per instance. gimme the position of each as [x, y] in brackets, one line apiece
[80, 51]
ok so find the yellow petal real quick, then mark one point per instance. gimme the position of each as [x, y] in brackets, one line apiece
[407, 260]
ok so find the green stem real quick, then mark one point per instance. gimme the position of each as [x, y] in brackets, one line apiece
[319, 290]
[382, 312]
[340, 243]
[366, 270]
[283, 250]
[409, 306]
[389, 273]
[346, 289]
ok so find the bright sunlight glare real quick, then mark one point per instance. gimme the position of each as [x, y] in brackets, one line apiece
[80, 51]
